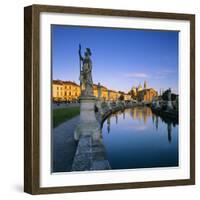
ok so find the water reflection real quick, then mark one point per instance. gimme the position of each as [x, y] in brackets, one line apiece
[131, 139]
[108, 124]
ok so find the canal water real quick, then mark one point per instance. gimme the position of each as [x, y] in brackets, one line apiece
[137, 138]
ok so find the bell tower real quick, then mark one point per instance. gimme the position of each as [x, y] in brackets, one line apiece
[145, 84]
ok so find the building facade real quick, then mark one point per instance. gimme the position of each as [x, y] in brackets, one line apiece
[113, 95]
[70, 91]
[143, 94]
[65, 91]
[147, 95]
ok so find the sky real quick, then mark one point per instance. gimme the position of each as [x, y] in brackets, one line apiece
[121, 58]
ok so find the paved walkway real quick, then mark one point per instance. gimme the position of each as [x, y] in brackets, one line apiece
[65, 105]
[64, 145]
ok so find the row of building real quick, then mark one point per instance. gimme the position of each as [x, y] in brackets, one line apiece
[70, 91]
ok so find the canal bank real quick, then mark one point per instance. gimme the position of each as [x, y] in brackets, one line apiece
[122, 128]
[90, 153]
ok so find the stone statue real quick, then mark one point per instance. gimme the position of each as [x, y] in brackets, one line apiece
[169, 94]
[88, 124]
[169, 102]
[86, 73]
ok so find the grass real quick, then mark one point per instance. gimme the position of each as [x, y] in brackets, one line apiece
[63, 114]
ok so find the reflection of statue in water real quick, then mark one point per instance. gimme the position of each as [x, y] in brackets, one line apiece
[108, 124]
[124, 116]
[116, 118]
[153, 118]
[156, 122]
[86, 73]
[169, 131]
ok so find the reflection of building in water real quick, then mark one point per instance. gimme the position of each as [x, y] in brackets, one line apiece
[145, 117]
[169, 131]
[149, 112]
[141, 113]
[131, 113]
[134, 114]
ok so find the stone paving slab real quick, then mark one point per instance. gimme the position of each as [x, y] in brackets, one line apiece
[64, 145]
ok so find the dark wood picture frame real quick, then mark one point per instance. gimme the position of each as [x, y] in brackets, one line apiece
[32, 92]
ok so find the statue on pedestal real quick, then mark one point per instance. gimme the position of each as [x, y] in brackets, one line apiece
[88, 124]
[86, 73]
[169, 102]
[169, 94]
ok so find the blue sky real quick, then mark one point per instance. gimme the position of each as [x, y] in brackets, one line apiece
[121, 58]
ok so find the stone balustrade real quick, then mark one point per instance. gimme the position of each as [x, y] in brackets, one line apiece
[90, 153]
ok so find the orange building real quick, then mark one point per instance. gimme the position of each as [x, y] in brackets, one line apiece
[104, 93]
[65, 91]
[113, 95]
[147, 95]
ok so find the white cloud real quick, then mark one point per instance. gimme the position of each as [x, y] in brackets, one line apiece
[136, 75]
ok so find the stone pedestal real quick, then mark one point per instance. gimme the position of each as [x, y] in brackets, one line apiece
[88, 123]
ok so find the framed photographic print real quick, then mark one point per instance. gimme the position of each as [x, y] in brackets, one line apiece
[109, 99]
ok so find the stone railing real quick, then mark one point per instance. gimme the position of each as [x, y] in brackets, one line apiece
[107, 108]
[90, 153]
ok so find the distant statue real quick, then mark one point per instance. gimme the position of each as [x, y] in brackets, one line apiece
[169, 98]
[169, 94]
[86, 82]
